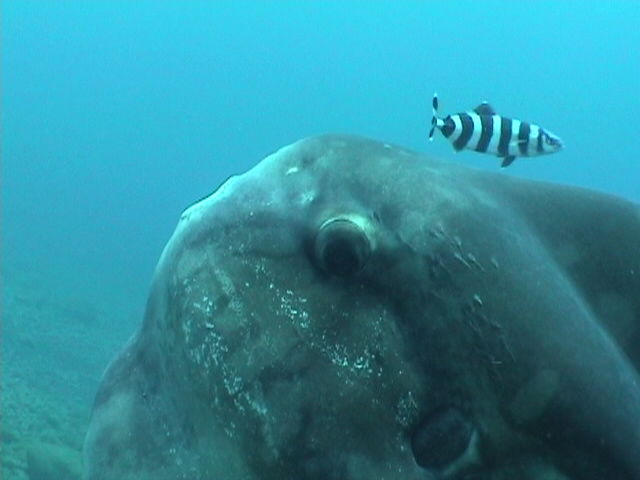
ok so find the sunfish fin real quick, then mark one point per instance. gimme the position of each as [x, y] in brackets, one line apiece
[484, 109]
[508, 160]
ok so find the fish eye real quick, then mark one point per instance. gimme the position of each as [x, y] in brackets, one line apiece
[342, 247]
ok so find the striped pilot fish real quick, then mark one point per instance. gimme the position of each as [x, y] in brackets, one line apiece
[483, 130]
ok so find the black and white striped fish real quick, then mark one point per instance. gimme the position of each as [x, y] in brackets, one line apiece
[483, 130]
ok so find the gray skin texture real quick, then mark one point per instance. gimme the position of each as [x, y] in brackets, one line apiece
[448, 324]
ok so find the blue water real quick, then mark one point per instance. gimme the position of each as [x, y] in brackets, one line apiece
[118, 114]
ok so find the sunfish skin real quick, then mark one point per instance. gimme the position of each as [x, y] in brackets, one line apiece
[484, 131]
[351, 310]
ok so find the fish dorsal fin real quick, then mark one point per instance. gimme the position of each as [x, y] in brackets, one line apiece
[484, 109]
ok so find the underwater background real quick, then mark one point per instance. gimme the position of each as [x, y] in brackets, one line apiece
[117, 115]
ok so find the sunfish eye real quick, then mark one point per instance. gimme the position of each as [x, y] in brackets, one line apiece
[342, 247]
[441, 438]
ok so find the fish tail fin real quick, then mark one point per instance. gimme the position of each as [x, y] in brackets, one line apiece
[436, 122]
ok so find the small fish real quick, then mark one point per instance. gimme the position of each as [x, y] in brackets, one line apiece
[483, 130]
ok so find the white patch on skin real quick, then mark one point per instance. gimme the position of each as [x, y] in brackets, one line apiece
[307, 197]
[476, 132]
[291, 170]
[495, 136]
[457, 131]
[514, 146]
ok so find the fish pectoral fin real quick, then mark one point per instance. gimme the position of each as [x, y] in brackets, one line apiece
[508, 160]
